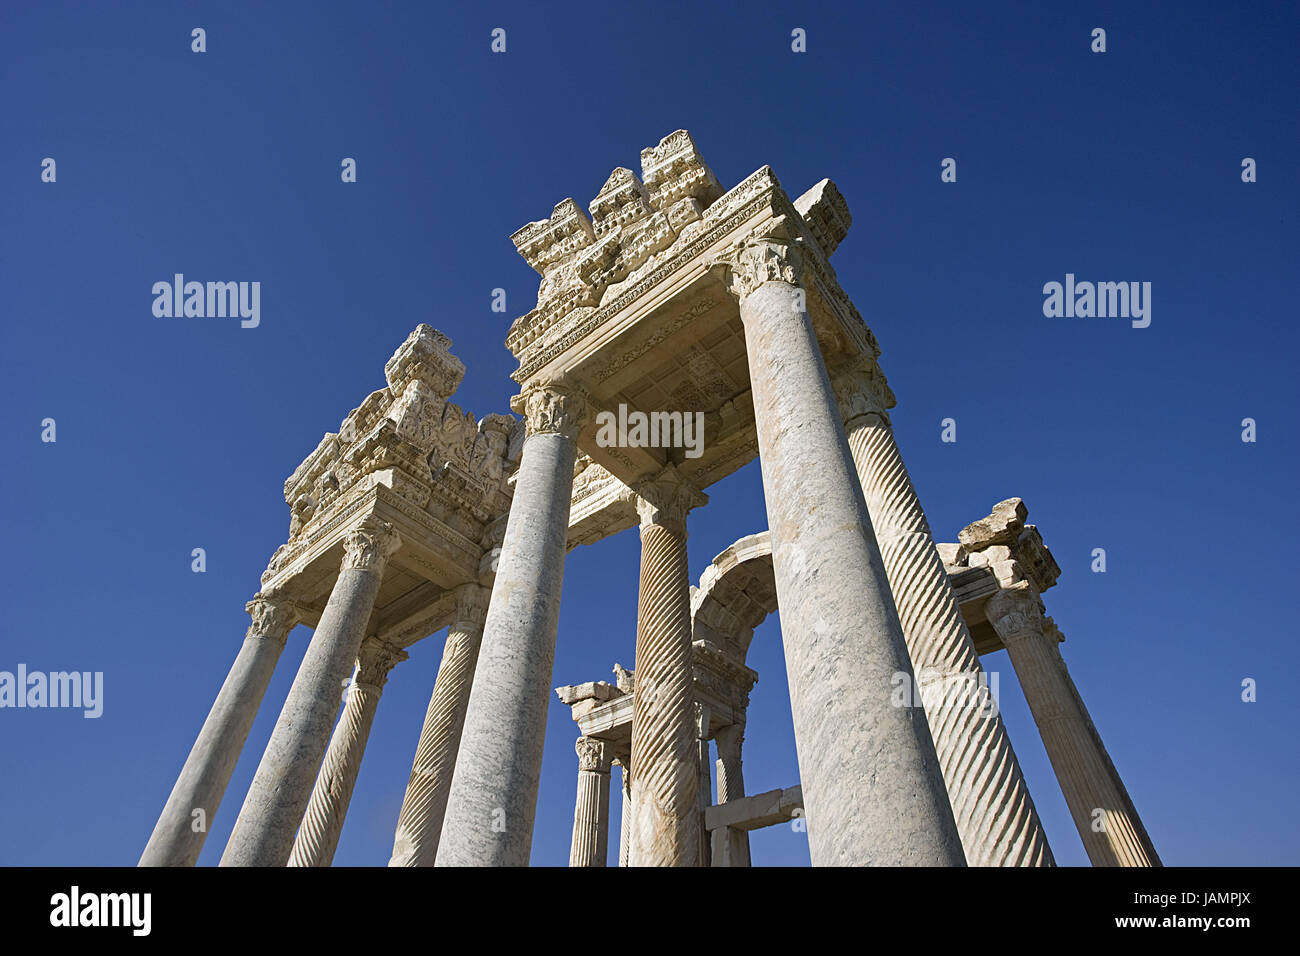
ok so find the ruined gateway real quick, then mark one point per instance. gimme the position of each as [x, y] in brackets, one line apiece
[673, 295]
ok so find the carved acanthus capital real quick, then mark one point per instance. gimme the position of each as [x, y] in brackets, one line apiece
[729, 739]
[471, 606]
[759, 261]
[273, 617]
[863, 390]
[1016, 613]
[594, 756]
[375, 659]
[667, 498]
[552, 408]
[370, 545]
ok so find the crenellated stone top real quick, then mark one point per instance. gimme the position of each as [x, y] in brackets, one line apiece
[411, 438]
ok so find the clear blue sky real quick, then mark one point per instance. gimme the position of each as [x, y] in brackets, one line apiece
[178, 433]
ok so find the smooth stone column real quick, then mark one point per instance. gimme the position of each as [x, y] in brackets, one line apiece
[731, 786]
[591, 810]
[873, 792]
[318, 836]
[665, 813]
[420, 822]
[625, 826]
[1112, 831]
[991, 803]
[264, 832]
[493, 798]
[187, 816]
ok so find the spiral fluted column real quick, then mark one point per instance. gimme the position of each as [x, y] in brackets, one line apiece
[995, 815]
[590, 844]
[178, 836]
[425, 803]
[731, 786]
[665, 807]
[1103, 812]
[493, 797]
[872, 788]
[318, 836]
[625, 814]
[264, 832]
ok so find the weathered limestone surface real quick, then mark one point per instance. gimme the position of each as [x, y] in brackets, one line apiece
[665, 823]
[264, 832]
[591, 809]
[871, 781]
[420, 822]
[990, 800]
[207, 770]
[731, 787]
[318, 836]
[493, 798]
[1103, 812]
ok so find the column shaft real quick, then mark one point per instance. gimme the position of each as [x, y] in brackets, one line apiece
[590, 844]
[318, 836]
[264, 832]
[625, 823]
[1107, 820]
[203, 780]
[425, 804]
[493, 797]
[995, 815]
[731, 786]
[872, 788]
[666, 821]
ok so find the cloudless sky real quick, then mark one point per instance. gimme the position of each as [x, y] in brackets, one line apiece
[174, 434]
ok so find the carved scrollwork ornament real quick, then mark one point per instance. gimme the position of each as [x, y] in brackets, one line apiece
[471, 606]
[759, 261]
[553, 409]
[593, 755]
[1016, 613]
[374, 661]
[863, 390]
[273, 617]
[370, 545]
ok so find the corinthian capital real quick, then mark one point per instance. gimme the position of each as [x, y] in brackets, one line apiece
[862, 390]
[370, 545]
[1016, 613]
[375, 659]
[594, 755]
[273, 617]
[760, 261]
[471, 605]
[667, 497]
[553, 408]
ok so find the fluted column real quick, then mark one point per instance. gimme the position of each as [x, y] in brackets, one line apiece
[264, 832]
[731, 786]
[995, 815]
[1105, 816]
[591, 810]
[318, 836]
[425, 803]
[178, 836]
[665, 809]
[625, 821]
[493, 797]
[873, 792]
[704, 785]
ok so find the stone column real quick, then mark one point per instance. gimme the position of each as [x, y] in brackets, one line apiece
[277, 799]
[318, 836]
[704, 787]
[872, 788]
[493, 797]
[625, 827]
[731, 786]
[425, 804]
[181, 829]
[591, 811]
[990, 800]
[1112, 832]
[665, 812]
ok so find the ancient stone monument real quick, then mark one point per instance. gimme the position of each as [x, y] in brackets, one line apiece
[672, 298]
